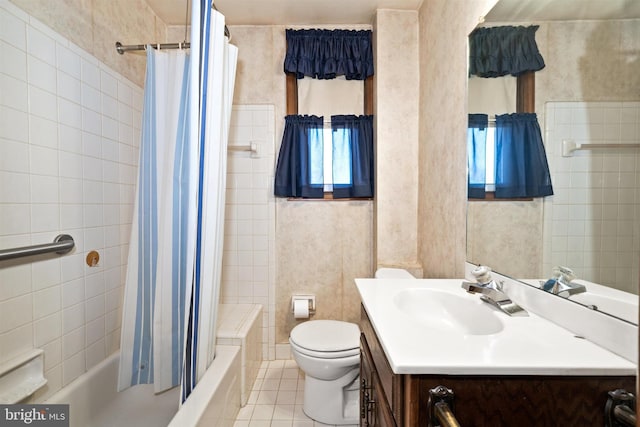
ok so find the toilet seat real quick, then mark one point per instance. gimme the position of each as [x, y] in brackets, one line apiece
[325, 354]
[326, 339]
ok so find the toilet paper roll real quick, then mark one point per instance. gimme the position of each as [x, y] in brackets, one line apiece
[301, 309]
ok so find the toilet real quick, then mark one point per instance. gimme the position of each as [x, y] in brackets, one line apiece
[393, 273]
[328, 351]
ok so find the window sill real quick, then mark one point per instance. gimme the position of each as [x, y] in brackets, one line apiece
[490, 196]
[328, 197]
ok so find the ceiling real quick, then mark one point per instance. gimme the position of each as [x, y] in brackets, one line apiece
[562, 10]
[289, 12]
[320, 12]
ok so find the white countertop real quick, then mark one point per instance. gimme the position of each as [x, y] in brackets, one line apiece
[528, 345]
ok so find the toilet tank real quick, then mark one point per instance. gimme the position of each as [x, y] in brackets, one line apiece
[393, 273]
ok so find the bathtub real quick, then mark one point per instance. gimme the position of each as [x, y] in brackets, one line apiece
[94, 402]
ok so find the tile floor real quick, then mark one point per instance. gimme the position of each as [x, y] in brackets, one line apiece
[276, 398]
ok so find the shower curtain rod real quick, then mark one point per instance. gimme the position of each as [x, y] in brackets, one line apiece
[121, 48]
[184, 45]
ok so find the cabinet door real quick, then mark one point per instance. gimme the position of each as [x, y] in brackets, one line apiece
[383, 417]
[374, 409]
[366, 384]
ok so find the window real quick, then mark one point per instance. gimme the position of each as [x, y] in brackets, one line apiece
[331, 158]
[495, 54]
[300, 171]
[520, 169]
[326, 153]
[336, 145]
[326, 98]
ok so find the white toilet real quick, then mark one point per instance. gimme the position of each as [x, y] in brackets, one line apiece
[393, 273]
[328, 351]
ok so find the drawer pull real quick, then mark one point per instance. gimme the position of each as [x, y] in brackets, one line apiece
[367, 404]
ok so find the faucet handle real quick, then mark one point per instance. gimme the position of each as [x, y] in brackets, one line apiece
[482, 274]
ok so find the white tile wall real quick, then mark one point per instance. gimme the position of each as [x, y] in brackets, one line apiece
[69, 131]
[592, 223]
[248, 274]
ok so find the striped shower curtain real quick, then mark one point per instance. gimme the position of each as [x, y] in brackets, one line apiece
[175, 252]
[216, 79]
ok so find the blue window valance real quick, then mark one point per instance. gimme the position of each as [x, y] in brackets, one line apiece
[326, 54]
[498, 51]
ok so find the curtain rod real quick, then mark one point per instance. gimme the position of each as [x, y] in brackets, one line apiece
[184, 45]
[121, 48]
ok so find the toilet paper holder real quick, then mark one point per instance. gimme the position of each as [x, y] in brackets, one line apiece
[311, 300]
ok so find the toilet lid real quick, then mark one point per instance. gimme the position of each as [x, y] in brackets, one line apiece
[326, 335]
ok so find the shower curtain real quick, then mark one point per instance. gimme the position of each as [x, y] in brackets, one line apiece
[175, 251]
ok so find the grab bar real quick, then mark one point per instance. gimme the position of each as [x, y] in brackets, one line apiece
[252, 148]
[569, 146]
[62, 244]
[440, 407]
[619, 410]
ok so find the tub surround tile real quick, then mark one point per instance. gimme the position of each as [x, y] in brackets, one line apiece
[61, 142]
[248, 258]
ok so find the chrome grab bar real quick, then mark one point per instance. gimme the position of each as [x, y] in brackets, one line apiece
[62, 244]
[441, 408]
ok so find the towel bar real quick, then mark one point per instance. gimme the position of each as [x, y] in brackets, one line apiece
[441, 408]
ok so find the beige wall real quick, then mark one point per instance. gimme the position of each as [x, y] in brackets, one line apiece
[320, 246]
[507, 236]
[396, 115]
[95, 26]
[444, 26]
[588, 61]
[585, 61]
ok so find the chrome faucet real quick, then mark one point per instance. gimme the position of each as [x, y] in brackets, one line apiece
[562, 283]
[491, 292]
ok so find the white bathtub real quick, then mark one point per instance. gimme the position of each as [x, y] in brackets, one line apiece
[94, 402]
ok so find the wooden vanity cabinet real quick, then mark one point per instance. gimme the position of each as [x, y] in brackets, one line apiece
[388, 399]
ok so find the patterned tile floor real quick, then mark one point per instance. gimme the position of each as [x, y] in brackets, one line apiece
[276, 398]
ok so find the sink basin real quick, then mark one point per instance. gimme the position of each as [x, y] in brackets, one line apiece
[446, 311]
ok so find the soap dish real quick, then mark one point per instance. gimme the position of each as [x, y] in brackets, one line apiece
[22, 376]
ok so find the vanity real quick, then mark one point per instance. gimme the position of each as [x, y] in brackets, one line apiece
[503, 371]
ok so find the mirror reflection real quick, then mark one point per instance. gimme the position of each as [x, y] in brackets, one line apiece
[588, 94]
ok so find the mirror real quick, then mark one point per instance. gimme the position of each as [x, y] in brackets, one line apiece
[587, 93]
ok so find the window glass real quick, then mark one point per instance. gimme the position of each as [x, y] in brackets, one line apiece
[490, 162]
[342, 156]
[316, 155]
